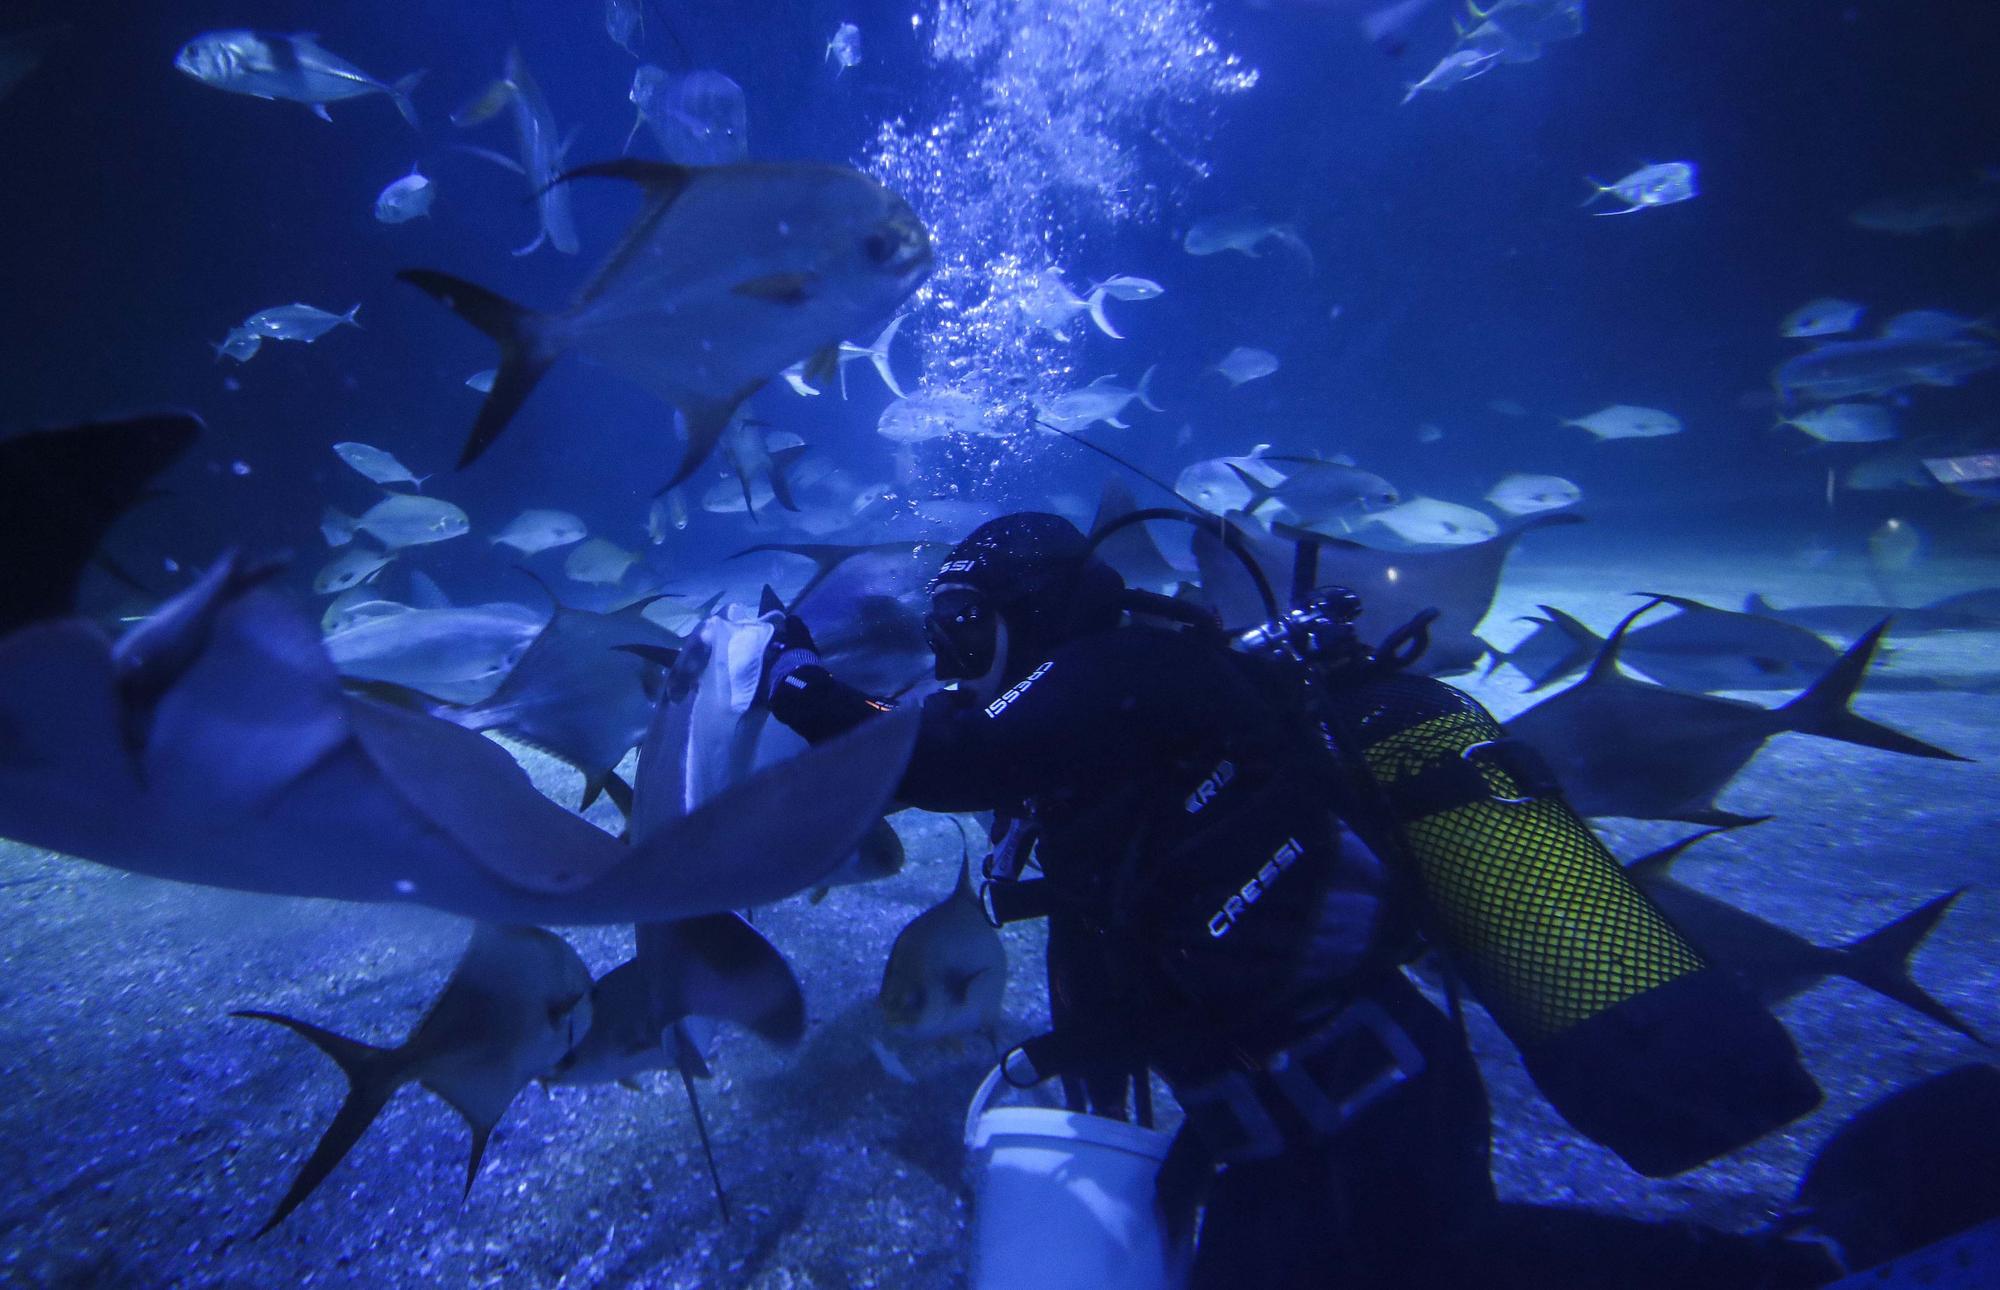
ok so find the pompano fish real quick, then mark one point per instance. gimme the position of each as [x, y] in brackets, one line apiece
[844, 48]
[1529, 494]
[1048, 303]
[240, 344]
[947, 969]
[1218, 485]
[1973, 475]
[1245, 363]
[1124, 286]
[1845, 423]
[700, 118]
[397, 521]
[1244, 231]
[349, 569]
[1825, 316]
[1621, 746]
[294, 68]
[1626, 421]
[1700, 648]
[459, 654]
[540, 530]
[729, 275]
[1649, 186]
[931, 414]
[1426, 521]
[1847, 368]
[1455, 68]
[1101, 400]
[754, 456]
[374, 464]
[1321, 492]
[304, 323]
[541, 159]
[517, 1001]
[598, 561]
[406, 198]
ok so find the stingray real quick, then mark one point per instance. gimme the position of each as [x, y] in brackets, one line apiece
[1394, 586]
[63, 490]
[1621, 746]
[1778, 963]
[1699, 648]
[583, 691]
[865, 608]
[1131, 550]
[257, 772]
[517, 1001]
[1972, 611]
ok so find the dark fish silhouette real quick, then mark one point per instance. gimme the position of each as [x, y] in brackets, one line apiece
[1912, 1169]
[1394, 586]
[583, 691]
[865, 606]
[1778, 963]
[517, 1001]
[1972, 611]
[1699, 648]
[1621, 746]
[1131, 550]
[63, 490]
[257, 772]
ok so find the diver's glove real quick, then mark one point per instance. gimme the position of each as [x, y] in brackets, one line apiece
[791, 648]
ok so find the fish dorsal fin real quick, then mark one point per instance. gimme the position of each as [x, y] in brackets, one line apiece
[769, 602]
[547, 590]
[1654, 864]
[1604, 668]
[1685, 604]
[826, 557]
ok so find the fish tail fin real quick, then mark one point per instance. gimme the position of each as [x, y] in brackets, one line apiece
[399, 94]
[1144, 390]
[1881, 961]
[878, 354]
[1822, 710]
[1288, 236]
[1096, 303]
[337, 527]
[1597, 190]
[1260, 492]
[349, 318]
[372, 1078]
[1476, 13]
[1584, 645]
[781, 482]
[524, 355]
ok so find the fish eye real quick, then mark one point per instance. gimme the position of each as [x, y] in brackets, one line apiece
[879, 247]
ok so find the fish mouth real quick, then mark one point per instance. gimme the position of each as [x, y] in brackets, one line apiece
[908, 245]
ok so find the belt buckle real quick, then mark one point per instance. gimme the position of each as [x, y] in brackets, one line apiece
[1291, 1072]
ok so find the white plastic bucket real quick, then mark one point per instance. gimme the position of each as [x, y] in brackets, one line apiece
[1064, 1201]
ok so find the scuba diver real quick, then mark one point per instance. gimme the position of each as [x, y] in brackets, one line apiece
[1230, 906]
[1152, 768]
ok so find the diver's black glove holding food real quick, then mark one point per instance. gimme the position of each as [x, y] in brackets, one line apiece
[791, 648]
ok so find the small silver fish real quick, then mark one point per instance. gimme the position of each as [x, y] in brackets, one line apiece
[1426, 521]
[1101, 400]
[600, 562]
[1243, 231]
[294, 68]
[1532, 494]
[845, 47]
[397, 521]
[1624, 421]
[303, 323]
[377, 465]
[540, 530]
[1845, 423]
[1246, 364]
[1648, 186]
[1455, 68]
[405, 199]
[240, 344]
[349, 569]
[1826, 316]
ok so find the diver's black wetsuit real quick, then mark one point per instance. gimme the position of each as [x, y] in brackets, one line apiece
[1142, 753]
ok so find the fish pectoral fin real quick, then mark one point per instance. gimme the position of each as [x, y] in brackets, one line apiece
[779, 288]
[823, 365]
[319, 110]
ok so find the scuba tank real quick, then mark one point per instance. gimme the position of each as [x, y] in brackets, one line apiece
[1640, 1044]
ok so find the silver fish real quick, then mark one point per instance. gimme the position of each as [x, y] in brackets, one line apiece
[1846, 368]
[459, 654]
[1245, 363]
[1048, 303]
[1625, 421]
[1244, 231]
[1101, 400]
[397, 521]
[405, 199]
[541, 159]
[700, 118]
[728, 276]
[931, 414]
[304, 323]
[946, 971]
[1845, 423]
[1530, 494]
[1426, 521]
[350, 569]
[540, 530]
[376, 465]
[877, 354]
[1455, 68]
[294, 68]
[1825, 316]
[845, 46]
[1657, 185]
[600, 562]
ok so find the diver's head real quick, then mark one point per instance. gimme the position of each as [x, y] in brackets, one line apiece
[1015, 589]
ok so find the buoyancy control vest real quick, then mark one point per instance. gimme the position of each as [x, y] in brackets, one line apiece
[1627, 1030]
